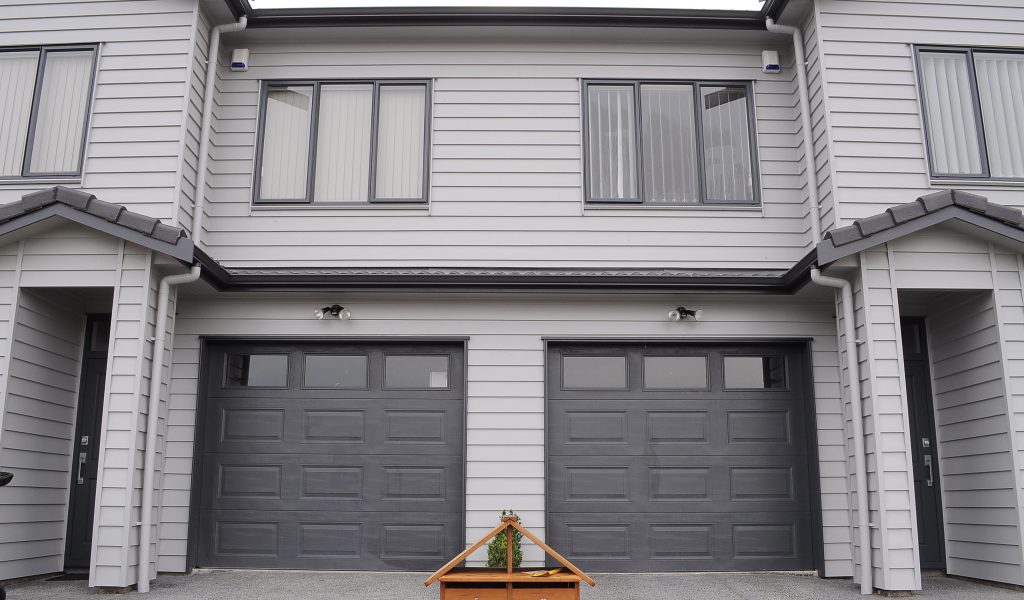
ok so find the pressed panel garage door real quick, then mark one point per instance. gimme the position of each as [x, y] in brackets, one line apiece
[327, 456]
[678, 458]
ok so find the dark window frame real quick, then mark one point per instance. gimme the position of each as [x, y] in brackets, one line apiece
[697, 84]
[979, 120]
[44, 51]
[314, 122]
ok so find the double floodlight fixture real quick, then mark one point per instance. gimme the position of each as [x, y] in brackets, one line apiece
[681, 313]
[334, 311]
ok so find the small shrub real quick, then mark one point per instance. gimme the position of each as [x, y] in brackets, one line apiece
[498, 548]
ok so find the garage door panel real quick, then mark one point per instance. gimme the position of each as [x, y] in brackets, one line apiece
[368, 479]
[664, 427]
[643, 478]
[713, 483]
[377, 426]
[331, 540]
[332, 481]
[670, 541]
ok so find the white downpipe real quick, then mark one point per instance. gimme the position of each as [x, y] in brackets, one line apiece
[857, 417]
[152, 420]
[199, 203]
[805, 122]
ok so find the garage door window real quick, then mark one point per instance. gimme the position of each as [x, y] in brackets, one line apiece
[675, 372]
[334, 371]
[755, 372]
[256, 370]
[416, 372]
[594, 372]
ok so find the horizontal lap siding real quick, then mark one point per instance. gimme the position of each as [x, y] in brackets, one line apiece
[36, 440]
[975, 452]
[505, 437]
[880, 156]
[819, 120]
[193, 123]
[894, 555]
[507, 163]
[133, 152]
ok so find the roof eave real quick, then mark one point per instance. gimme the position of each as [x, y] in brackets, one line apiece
[786, 282]
[513, 16]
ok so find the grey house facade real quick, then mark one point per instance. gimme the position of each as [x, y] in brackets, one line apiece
[338, 305]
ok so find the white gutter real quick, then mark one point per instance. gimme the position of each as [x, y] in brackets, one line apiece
[805, 122]
[857, 417]
[849, 325]
[199, 202]
[152, 421]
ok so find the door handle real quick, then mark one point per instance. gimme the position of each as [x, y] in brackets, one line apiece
[82, 458]
[928, 465]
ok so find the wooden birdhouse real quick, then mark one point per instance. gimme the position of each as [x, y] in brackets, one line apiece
[510, 583]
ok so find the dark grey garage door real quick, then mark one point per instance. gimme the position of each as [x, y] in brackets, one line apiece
[672, 458]
[327, 456]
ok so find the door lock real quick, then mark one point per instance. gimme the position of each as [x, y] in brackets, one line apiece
[926, 443]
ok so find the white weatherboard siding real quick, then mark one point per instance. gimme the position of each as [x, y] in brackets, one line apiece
[976, 461]
[820, 117]
[506, 382]
[38, 427]
[506, 178]
[193, 118]
[132, 155]
[877, 127]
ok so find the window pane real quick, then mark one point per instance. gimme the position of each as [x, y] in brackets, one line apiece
[1001, 90]
[669, 144]
[417, 371]
[60, 124]
[726, 126]
[286, 143]
[594, 372]
[612, 153]
[335, 371]
[256, 370]
[675, 372]
[18, 74]
[400, 141]
[755, 372]
[952, 130]
[343, 143]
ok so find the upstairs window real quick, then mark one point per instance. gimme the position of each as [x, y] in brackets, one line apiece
[669, 143]
[44, 97]
[974, 112]
[343, 142]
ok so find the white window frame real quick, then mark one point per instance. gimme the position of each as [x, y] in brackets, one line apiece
[698, 136]
[979, 121]
[310, 191]
[26, 163]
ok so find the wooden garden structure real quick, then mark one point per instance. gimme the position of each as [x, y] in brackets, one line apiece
[510, 583]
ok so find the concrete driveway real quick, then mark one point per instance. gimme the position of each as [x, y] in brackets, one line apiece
[286, 585]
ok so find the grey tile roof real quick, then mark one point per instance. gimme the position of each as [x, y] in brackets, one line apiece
[87, 208]
[903, 213]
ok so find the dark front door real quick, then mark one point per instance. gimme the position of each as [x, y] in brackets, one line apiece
[679, 457]
[923, 444]
[78, 549]
[332, 456]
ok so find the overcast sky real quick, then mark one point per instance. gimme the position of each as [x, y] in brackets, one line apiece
[718, 4]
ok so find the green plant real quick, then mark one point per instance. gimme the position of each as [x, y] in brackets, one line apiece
[497, 549]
